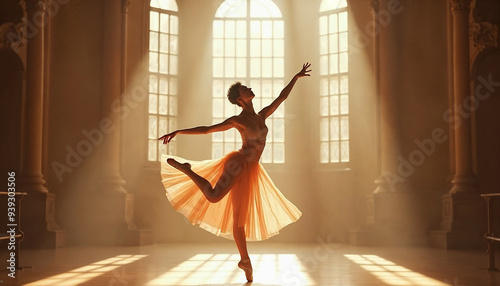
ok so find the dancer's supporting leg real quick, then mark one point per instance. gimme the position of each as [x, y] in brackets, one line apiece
[231, 173]
[240, 238]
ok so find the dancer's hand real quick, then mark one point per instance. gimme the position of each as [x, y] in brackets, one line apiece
[167, 137]
[304, 71]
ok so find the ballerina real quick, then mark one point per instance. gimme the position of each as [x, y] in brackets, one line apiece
[238, 199]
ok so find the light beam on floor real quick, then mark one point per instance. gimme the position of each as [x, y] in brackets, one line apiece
[203, 269]
[88, 272]
[391, 273]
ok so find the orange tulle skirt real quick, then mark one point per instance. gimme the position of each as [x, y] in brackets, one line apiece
[263, 209]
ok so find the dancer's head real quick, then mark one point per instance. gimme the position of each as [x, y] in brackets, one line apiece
[238, 93]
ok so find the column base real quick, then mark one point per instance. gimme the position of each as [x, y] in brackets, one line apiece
[392, 219]
[463, 223]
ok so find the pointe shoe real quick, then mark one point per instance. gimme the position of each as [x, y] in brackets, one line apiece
[247, 267]
[172, 162]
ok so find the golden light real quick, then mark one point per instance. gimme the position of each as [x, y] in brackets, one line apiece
[88, 272]
[390, 273]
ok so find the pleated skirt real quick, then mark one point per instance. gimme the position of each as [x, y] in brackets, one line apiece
[263, 210]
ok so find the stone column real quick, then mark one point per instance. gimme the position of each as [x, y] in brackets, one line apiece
[390, 205]
[39, 224]
[117, 225]
[463, 211]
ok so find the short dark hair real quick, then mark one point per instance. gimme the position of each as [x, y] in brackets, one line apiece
[234, 92]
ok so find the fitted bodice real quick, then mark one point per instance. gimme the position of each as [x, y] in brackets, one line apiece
[253, 131]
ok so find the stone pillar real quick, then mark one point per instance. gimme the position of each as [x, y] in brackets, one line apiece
[463, 210]
[390, 204]
[116, 219]
[38, 216]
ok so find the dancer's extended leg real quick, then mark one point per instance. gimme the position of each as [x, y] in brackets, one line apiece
[232, 171]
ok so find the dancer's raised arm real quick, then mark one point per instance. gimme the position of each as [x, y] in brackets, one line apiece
[225, 125]
[268, 110]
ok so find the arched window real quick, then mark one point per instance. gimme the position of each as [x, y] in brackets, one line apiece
[334, 82]
[248, 46]
[163, 51]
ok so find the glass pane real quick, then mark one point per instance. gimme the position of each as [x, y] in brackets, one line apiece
[279, 130]
[153, 21]
[344, 147]
[334, 85]
[279, 48]
[163, 126]
[342, 21]
[164, 63]
[237, 10]
[267, 29]
[323, 25]
[344, 65]
[229, 109]
[174, 44]
[323, 86]
[230, 29]
[164, 4]
[153, 41]
[343, 42]
[279, 153]
[323, 152]
[267, 48]
[344, 128]
[163, 105]
[228, 147]
[153, 62]
[241, 48]
[267, 67]
[327, 5]
[218, 49]
[172, 124]
[323, 45]
[323, 106]
[152, 145]
[229, 67]
[218, 67]
[164, 44]
[344, 104]
[164, 23]
[333, 43]
[163, 85]
[334, 128]
[173, 86]
[229, 135]
[241, 68]
[278, 30]
[241, 29]
[229, 48]
[334, 105]
[174, 25]
[153, 125]
[217, 150]
[217, 137]
[217, 107]
[255, 67]
[332, 23]
[218, 29]
[267, 155]
[218, 88]
[153, 103]
[334, 64]
[255, 48]
[323, 65]
[344, 84]
[173, 65]
[153, 83]
[172, 106]
[255, 29]
[334, 152]
[278, 67]
[323, 129]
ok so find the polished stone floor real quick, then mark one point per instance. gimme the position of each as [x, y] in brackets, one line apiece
[274, 264]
